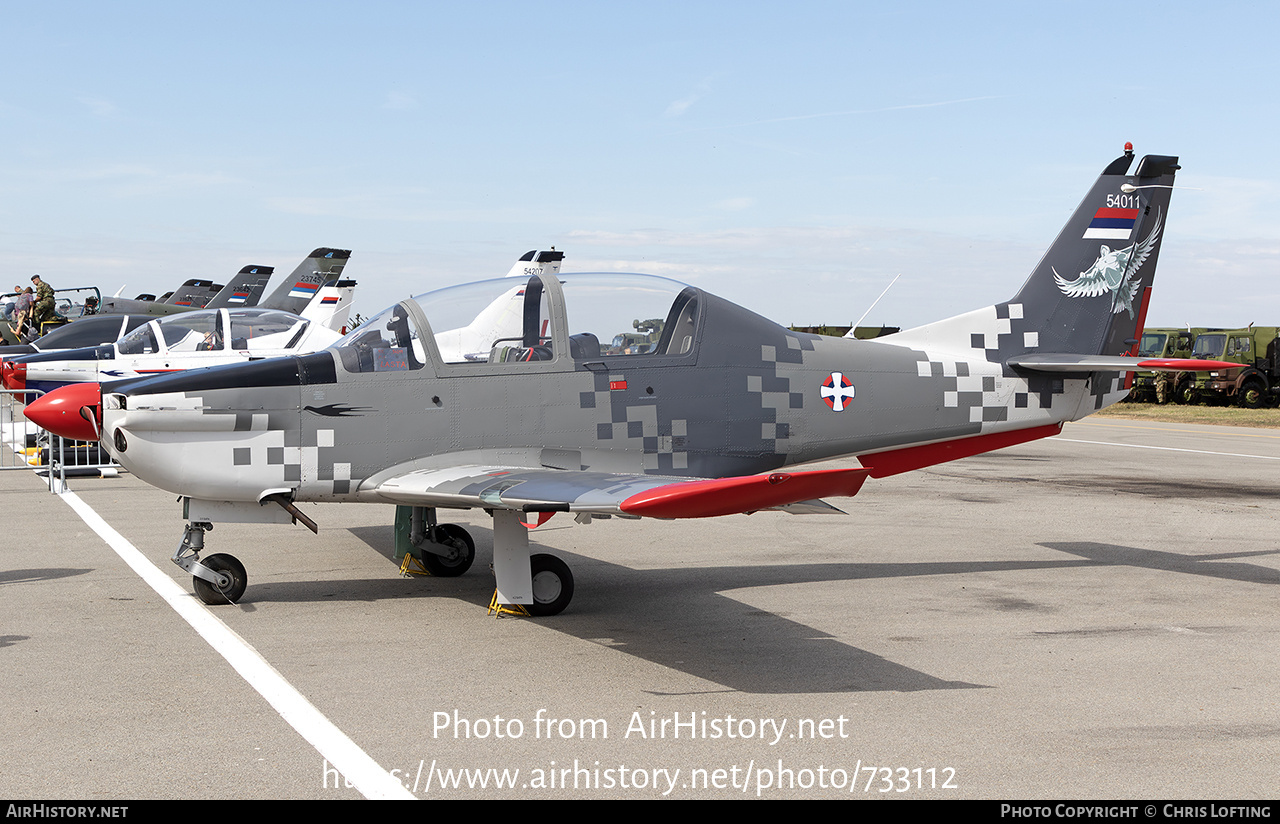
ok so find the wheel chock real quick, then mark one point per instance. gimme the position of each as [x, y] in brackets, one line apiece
[500, 610]
[412, 566]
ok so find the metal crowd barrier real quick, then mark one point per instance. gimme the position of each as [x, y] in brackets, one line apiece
[23, 445]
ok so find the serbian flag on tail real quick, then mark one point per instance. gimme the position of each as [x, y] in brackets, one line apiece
[304, 290]
[1111, 224]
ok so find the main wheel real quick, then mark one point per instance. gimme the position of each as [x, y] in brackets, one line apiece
[228, 565]
[1252, 395]
[458, 538]
[552, 585]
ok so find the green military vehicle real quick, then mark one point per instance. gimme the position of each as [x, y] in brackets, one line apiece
[859, 332]
[1255, 384]
[644, 339]
[1157, 387]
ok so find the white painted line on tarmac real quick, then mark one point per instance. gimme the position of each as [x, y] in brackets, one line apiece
[340, 751]
[1166, 448]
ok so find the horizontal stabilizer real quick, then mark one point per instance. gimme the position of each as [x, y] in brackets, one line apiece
[1115, 363]
[906, 459]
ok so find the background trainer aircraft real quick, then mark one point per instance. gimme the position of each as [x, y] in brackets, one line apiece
[245, 287]
[93, 330]
[244, 290]
[322, 265]
[78, 305]
[707, 413]
[205, 337]
[209, 338]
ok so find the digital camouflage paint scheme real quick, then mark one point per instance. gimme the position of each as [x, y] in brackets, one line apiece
[627, 395]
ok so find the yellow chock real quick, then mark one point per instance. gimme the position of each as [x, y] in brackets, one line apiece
[500, 610]
[412, 566]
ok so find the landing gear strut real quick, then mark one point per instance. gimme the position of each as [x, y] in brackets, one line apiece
[541, 584]
[447, 549]
[218, 579]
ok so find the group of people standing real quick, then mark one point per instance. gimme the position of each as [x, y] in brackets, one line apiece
[31, 308]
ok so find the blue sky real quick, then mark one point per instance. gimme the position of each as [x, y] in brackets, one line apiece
[793, 157]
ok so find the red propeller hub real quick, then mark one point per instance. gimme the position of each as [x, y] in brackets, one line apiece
[73, 411]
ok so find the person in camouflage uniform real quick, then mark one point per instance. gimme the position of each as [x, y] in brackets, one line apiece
[43, 310]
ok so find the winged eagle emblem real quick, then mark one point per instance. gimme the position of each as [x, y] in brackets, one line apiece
[1114, 271]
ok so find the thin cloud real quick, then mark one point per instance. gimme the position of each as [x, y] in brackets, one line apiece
[100, 107]
[679, 107]
[399, 101]
[847, 113]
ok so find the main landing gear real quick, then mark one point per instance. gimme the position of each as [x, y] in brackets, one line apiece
[446, 550]
[541, 583]
[552, 585]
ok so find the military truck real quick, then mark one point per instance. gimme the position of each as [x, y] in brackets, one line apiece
[859, 332]
[1157, 387]
[1255, 384]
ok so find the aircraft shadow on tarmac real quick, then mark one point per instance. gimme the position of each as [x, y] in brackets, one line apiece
[26, 576]
[1211, 566]
[681, 618]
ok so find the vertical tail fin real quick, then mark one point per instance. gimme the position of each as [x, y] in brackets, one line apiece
[301, 287]
[331, 305]
[244, 290]
[194, 294]
[1088, 294]
[538, 263]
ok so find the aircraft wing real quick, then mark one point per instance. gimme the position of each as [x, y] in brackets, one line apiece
[600, 493]
[1115, 363]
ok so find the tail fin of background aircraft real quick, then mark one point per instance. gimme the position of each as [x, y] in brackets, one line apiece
[331, 305]
[193, 293]
[244, 290]
[537, 263]
[301, 287]
[1089, 293]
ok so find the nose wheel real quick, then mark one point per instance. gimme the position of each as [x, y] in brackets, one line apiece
[231, 583]
[218, 579]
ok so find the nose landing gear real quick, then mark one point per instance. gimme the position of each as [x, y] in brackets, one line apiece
[218, 579]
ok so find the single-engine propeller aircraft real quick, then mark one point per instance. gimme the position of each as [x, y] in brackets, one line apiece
[631, 396]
